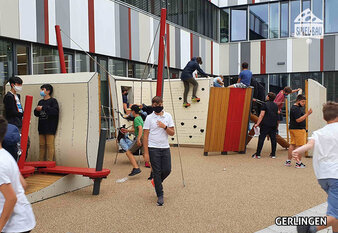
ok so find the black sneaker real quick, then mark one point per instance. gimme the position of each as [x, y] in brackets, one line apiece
[135, 171]
[255, 156]
[300, 165]
[160, 201]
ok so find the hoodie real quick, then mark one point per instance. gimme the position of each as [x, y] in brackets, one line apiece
[190, 68]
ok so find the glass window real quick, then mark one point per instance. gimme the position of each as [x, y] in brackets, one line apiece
[185, 12]
[224, 25]
[6, 67]
[238, 24]
[317, 6]
[284, 18]
[277, 82]
[45, 60]
[306, 4]
[331, 16]
[263, 80]
[331, 83]
[297, 80]
[259, 22]
[69, 62]
[294, 11]
[81, 62]
[192, 15]
[273, 23]
[22, 59]
[117, 67]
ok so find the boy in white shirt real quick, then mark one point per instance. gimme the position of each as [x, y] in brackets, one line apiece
[325, 164]
[16, 212]
[157, 127]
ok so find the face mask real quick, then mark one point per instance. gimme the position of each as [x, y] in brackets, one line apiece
[42, 93]
[131, 114]
[17, 88]
[158, 109]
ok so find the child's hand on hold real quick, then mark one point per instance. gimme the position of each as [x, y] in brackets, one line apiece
[309, 112]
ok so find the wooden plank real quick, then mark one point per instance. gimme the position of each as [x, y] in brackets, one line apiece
[224, 116]
[216, 122]
[209, 130]
[245, 119]
[287, 120]
[37, 182]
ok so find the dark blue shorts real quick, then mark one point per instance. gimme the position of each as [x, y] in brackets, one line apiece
[330, 186]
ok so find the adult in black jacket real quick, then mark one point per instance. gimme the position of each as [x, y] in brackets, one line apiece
[267, 121]
[48, 113]
[187, 78]
[259, 94]
[13, 107]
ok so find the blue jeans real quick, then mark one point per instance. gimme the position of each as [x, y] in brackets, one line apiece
[125, 143]
[330, 186]
[217, 84]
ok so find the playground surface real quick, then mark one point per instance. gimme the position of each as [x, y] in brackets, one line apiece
[223, 193]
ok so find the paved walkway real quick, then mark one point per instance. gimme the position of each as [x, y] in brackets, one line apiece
[318, 210]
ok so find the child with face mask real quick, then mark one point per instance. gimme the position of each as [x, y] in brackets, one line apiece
[13, 107]
[157, 127]
[48, 113]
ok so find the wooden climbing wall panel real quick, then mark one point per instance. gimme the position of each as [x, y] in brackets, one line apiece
[228, 119]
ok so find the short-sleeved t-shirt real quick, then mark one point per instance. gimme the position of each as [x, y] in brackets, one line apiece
[279, 100]
[138, 121]
[295, 113]
[22, 218]
[125, 100]
[325, 153]
[216, 84]
[158, 137]
[271, 114]
[245, 77]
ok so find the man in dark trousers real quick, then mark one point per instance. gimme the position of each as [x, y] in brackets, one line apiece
[187, 78]
[157, 127]
[13, 107]
[267, 121]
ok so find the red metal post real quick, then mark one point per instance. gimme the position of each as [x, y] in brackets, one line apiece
[160, 67]
[60, 48]
[25, 129]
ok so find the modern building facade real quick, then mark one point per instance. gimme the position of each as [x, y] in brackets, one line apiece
[119, 36]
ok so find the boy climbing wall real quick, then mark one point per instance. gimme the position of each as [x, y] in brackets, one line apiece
[187, 78]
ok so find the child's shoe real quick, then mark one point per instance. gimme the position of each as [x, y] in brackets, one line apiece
[186, 105]
[300, 165]
[195, 99]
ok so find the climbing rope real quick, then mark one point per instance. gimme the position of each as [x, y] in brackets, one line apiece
[174, 114]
